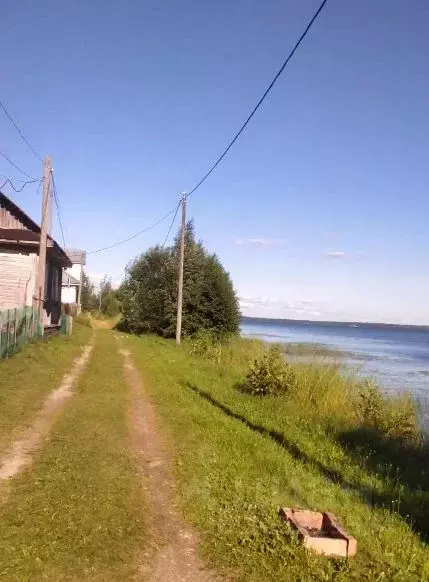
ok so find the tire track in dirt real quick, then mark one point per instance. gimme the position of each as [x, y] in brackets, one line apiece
[174, 552]
[20, 453]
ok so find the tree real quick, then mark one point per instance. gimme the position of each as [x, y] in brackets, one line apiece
[107, 300]
[149, 293]
[88, 297]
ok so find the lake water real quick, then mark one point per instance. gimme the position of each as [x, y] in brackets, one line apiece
[396, 356]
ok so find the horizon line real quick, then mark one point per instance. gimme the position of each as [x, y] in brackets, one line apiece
[335, 322]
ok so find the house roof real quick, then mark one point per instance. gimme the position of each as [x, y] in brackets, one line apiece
[25, 232]
[69, 280]
[18, 213]
[77, 256]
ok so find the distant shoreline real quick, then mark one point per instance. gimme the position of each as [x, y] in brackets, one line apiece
[365, 324]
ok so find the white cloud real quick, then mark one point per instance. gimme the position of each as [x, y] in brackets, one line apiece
[261, 241]
[264, 301]
[334, 254]
[271, 307]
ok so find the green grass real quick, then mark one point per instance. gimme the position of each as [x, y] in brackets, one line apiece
[29, 376]
[239, 458]
[83, 318]
[77, 514]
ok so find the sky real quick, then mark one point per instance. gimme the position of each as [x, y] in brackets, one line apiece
[319, 211]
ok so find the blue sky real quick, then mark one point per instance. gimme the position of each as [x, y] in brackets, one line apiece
[319, 211]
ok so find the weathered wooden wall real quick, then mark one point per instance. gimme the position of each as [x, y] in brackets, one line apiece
[17, 279]
[8, 220]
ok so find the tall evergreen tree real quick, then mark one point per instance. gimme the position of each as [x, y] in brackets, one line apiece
[149, 293]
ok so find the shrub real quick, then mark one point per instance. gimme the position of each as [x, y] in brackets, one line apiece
[395, 417]
[370, 404]
[400, 419]
[270, 375]
[202, 343]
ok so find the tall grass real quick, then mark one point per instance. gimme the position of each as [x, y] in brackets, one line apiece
[229, 351]
[321, 391]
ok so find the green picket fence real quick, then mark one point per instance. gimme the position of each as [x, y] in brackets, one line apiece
[17, 327]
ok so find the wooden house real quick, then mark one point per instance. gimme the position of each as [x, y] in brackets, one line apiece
[19, 256]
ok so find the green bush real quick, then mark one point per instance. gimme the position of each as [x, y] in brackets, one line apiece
[400, 419]
[270, 375]
[393, 416]
[370, 404]
[206, 344]
[202, 343]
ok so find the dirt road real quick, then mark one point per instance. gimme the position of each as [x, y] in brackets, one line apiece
[173, 555]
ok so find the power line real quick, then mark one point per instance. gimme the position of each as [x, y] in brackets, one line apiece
[57, 204]
[13, 179]
[171, 226]
[261, 100]
[24, 184]
[17, 167]
[121, 242]
[39, 186]
[231, 143]
[15, 125]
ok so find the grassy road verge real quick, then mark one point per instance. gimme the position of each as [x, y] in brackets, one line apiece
[239, 458]
[77, 513]
[29, 376]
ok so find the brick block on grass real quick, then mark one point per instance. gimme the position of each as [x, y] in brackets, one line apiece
[320, 532]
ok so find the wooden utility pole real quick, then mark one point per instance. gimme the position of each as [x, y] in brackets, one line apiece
[79, 293]
[46, 221]
[181, 264]
[100, 297]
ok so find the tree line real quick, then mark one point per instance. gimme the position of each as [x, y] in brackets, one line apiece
[103, 300]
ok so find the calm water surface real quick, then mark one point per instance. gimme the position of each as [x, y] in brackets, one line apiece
[397, 357]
